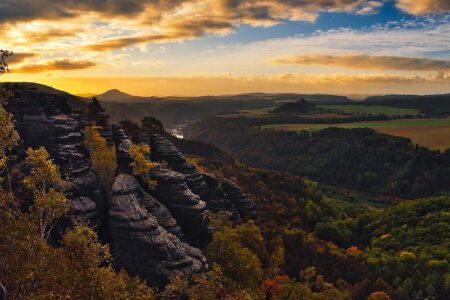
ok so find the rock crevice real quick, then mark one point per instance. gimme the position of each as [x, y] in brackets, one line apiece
[140, 244]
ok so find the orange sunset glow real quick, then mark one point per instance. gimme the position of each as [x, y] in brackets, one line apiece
[197, 47]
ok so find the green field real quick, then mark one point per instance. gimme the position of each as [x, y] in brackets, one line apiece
[371, 110]
[257, 112]
[432, 133]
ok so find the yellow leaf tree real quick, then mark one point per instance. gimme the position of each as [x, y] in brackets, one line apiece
[45, 182]
[141, 164]
[8, 135]
[104, 158]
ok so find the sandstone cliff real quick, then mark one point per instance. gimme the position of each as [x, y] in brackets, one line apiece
[153, 234]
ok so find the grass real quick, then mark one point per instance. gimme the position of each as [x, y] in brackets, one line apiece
[432, 133]
[372, 109]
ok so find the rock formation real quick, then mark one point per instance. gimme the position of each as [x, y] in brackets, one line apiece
[122, 144]
[234, 193]
[45, 119]
[140, 244]
[185, 206]
[206, 186]
[164, 150]
[217, 199]
[147, 232]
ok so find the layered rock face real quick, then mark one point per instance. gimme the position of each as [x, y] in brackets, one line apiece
[209, 188]
[122, 144]
[186, 207]
[234, 193]
[151, 235]
[217, 199]
[140, 244]
[47, 120]
[164, 150]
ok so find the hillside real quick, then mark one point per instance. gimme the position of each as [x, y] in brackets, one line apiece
[36, 88]
[357, 158]
[179, 110]
[428, 105]
[117, 96]
[301, 106]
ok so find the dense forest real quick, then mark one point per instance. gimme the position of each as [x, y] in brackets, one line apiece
[431, 105]
[401, 250]
[301, 106]
[356, 158]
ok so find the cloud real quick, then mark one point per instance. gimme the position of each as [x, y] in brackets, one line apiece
[118, 43]
[36, 37]
[182, 28]
[28, 10]
[419, 7]
[111, 23]
[177, 19]
[55, 65]
[371, 62]
[20, 57]
[267, 10]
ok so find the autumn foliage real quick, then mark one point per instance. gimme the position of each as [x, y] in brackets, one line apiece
[103, 157]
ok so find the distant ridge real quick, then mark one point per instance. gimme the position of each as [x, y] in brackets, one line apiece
[116, 95]
[113, 95]
[406, 97]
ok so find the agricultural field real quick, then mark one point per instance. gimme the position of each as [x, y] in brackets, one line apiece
[323, 115]
[371, 110]
[258, 112]
[285, 101]
[264, 112]
[432, 133]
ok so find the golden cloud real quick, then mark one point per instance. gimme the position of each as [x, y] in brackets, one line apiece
[180, 29]
[37, 37]
[55, 65]
[418, 7]
[20, 57]
[118, 43]
[362, 61]
[172, 19]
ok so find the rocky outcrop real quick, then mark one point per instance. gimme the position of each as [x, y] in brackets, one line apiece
[217, 201]
[46, 119]
[153, 206]
[140, 244]
[122, 144]
[151, 235]
[185, 206]
[2, 292]
[164, 150]
[234, 193]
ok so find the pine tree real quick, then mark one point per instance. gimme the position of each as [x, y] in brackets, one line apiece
[96, 113]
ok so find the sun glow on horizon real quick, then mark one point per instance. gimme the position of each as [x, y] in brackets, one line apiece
[146, 48]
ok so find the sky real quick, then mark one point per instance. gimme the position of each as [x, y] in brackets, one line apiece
[206, 47]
